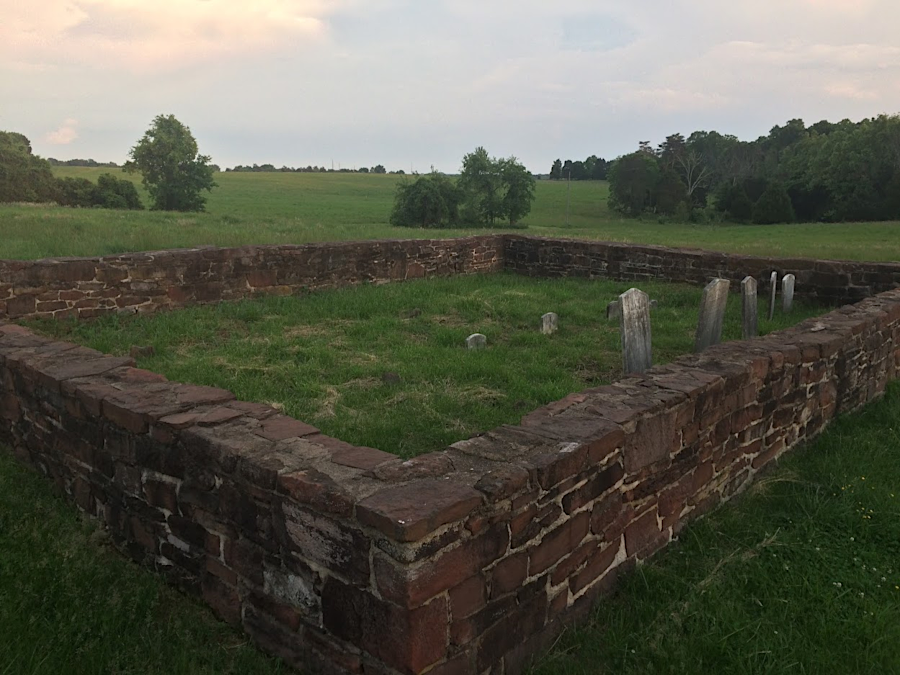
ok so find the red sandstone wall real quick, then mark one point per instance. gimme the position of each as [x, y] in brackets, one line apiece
[146, 282]
[833, 282]
[344, 558]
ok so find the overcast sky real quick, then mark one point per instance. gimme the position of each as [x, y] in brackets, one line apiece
[411, 84]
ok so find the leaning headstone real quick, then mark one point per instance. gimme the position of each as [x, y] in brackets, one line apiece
[549, 323]
[712, 314]
[634, 319]
[787, 292]
[749, 310]
[773, 283]
[476, 341]
[613, 310]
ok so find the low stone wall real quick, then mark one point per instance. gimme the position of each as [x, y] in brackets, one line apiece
[831, 282]
[347, 559]
[64, 288]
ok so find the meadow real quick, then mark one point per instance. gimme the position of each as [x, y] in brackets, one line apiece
[386, 366]
[294, 208]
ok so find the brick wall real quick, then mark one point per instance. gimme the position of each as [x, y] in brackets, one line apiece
[146, 282]
[347, 559]
[833, 282]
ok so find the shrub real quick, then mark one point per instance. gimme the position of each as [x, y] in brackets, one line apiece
[109, 193]
[773, 206]
[428, 201]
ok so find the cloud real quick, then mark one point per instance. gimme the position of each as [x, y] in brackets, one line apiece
[65, 134]
[148, 35]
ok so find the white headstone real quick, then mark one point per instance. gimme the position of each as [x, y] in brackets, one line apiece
[549, 323]
[749, 308]
[712, 314]
[634, 319]
[476, 341]
[773, 282]
[787, 292]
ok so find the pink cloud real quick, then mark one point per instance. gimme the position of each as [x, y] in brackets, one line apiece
[65, 134]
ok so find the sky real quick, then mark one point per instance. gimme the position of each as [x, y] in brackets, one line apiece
[418, 84]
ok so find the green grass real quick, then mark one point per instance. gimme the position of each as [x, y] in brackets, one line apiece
[323, 358]
[69, 603]
[278, 208]
[800, 576]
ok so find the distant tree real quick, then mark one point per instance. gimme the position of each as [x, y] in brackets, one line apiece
[173, 171]
[732, 200]
[518, 184]
[24, 177]
[633, 181]
[378, 168]
[773, 206]
[556, 170]
[579, 171]
[670, 196]
[428, 201]
[494, 189]
[116, 193]
[75, 192]
[363, 169]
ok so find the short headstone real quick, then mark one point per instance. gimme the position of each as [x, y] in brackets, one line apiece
[634, 320]
[749, 310]
[476, 341]
[549, 323]
[773, 283]
[787, 292]
[712, 314]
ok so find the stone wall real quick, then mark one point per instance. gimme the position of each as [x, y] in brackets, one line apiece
[469, 560]
[832, 282]
[64, 288]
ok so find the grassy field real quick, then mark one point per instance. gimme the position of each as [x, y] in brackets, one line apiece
[275, 208]
[386, 366]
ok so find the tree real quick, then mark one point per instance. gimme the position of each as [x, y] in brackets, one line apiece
[519, 186]
[379, 168]
[633, 180]
[494, 189]
[773, 206]
[556, 170]
[24, 177]
[428, 201]
[173, 171]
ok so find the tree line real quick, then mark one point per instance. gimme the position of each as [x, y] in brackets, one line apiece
[489, 190]
[378, 168]
[592, 168]
[826, 172]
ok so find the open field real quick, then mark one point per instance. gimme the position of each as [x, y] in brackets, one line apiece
[279, 208]
[386, 367]
[799, 576]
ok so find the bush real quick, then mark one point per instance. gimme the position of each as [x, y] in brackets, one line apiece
[773, 206]
[24, 177]
[109, 193]
[733, 201]
[429, 201]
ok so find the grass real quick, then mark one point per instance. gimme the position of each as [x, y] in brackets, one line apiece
[385, 366]
[800, 576]
[69, 603]
[278, 208]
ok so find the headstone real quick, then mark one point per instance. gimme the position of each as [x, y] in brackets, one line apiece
[476, 341]
[613, 310]
[773, 282]
[712, 314]
[634, 319]
[787, 292]
[549, 323]
[749, 311]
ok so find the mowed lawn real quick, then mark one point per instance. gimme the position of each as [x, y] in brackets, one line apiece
[294, 208]
[386, 366]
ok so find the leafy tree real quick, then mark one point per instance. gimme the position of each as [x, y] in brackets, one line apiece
[173, 171]
[519, 186]
[116, 193]
[773, 206]
[378, 168]
[24, 177]
[75, 192]
[429, 201]
[670, 195]
[633, 180]
[556, 170]
[733, 200]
